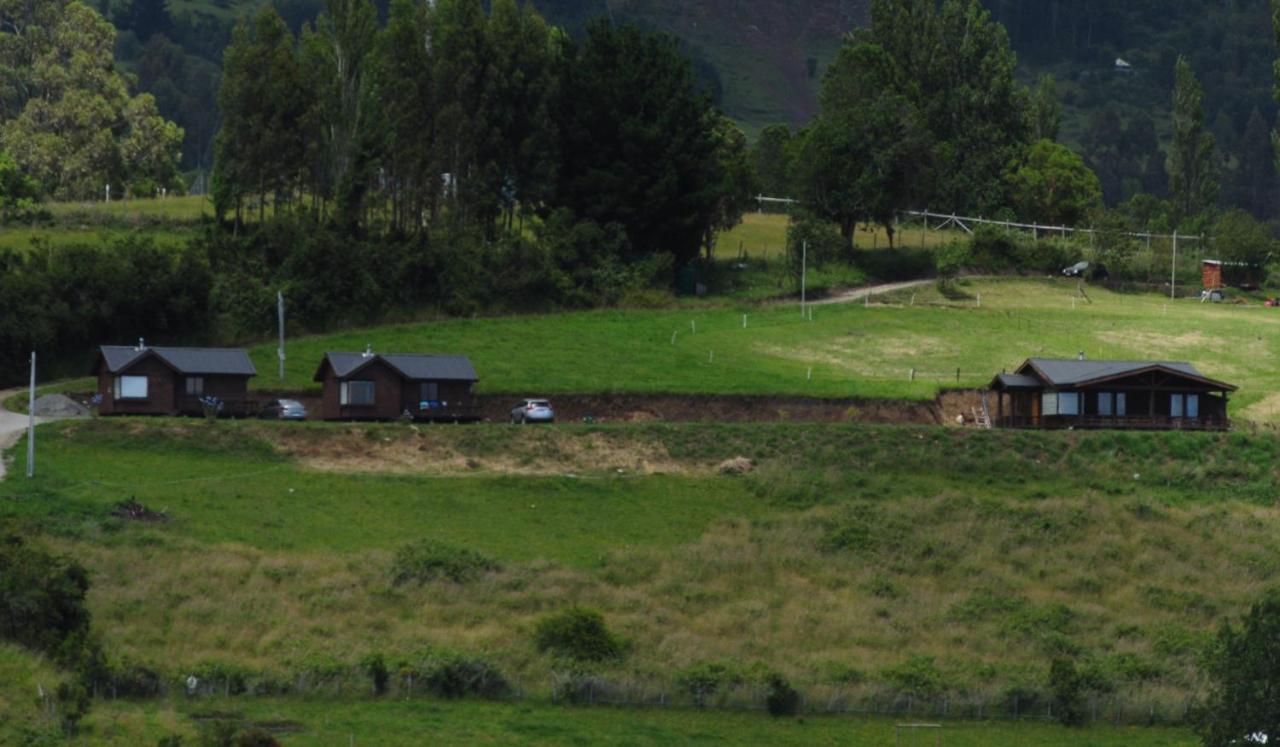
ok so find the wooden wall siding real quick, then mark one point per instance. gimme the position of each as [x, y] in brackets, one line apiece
[456, 393]
[1211, 276]
[386, 395]
[167, 391]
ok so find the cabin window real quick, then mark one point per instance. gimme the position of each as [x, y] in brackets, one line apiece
[1049, 403]
[1119, 400]
[1104, 404]
[1068, 403]
[131, 387]
[357, 393]
[430, 391]
[1184, 405]
[195, 386]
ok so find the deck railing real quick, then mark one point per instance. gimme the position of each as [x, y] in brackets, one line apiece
[1144, 422]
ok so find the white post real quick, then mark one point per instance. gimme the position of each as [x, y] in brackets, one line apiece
[108, 193]
[804, 262]
[744, 321]
[280, 321]
[673, 336]
[31, 421]
[693, 327]
[1173, 265]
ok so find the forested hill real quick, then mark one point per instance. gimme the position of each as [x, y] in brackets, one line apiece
[763, 59]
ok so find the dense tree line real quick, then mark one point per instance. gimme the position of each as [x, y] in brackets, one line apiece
[448, 115]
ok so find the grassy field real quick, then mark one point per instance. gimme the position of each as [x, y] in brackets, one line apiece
[858, 561]
[847, 350]
[340, 723]
[765, 235]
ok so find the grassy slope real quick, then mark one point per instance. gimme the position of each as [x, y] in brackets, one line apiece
[849, 551]
[852, 350]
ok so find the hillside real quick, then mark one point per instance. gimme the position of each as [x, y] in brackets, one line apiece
[867, 564]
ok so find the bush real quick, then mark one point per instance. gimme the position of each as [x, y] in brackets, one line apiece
[427, 560]
[579, 634]
[459, 676]
[918, 676]
[1067, 688]
[815, 241]
[703, 681]
[783, 700]
[950, 260]
[376, 667]
[42, 598]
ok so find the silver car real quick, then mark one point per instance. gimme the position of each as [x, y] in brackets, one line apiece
[285, 409]
[533, 411]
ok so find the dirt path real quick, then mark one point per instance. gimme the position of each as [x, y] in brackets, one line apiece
[858, 294]
[12, 424]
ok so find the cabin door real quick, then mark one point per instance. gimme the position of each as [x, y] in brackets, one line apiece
[1035, 409]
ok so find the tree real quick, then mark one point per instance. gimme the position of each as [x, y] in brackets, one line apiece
[1256, 182]
[71, 123]
[869, 153]
[637, 141]
[1239, 237]
[259, 148]
[1193, 179]
[1244, 668]
[18, 193]
[464, 132]
[957, 69]
[1045, 109]
[338, 59]
[772, 158]
[522, 90]
[406, 67]
[1051, 184]
[736, 187]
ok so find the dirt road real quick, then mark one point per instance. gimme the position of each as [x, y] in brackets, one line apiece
[12, 425]
[858, 294]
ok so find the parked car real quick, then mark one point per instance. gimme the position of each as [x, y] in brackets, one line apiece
[1076, 270]
[533, 411]
[285, 409]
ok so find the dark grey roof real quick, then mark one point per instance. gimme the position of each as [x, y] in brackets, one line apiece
[1072, 371]
[410, 365]
[1018, 381]
[202, 361]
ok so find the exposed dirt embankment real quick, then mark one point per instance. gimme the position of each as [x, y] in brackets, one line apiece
[631, 408]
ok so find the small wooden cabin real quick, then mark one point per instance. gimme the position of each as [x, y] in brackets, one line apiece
[1079, 393]
[385, 386]
[142, 380]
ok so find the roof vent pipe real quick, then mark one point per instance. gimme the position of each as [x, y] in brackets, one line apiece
[368, 351]
[1080, 355]
[142, 344]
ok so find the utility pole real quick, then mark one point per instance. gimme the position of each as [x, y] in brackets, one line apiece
[804, 261]
[1173, 265]
[31, 420]
[280, 321]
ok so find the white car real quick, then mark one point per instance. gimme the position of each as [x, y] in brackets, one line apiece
[533, 411]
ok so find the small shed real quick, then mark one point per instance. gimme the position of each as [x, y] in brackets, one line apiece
[1079, 393]
[1211, 274]
[385, 386]
[143, 380]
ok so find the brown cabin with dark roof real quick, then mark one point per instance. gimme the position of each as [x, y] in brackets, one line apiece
[1079, 393]
[386, 386]
[142, 380]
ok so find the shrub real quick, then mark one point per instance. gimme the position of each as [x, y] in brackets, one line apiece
[460, 676]
[918, 675]
[950, 259]
[376, 667]
[1067, 688]
[702, 681]
[427, 560]
[815, 241]
[577, 633]
[42, 598]
[783, 700]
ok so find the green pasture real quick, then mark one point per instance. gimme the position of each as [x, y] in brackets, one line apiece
[764, 235]
[909, 345]
[341, 723]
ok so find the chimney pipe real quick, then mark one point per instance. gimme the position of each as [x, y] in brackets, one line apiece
[142, 344]
[1080, 355]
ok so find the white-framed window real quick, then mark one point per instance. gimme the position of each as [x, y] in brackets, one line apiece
[195, 386]
[1048, 403]
[1105, 406]
[357, 393]
[131, 387]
